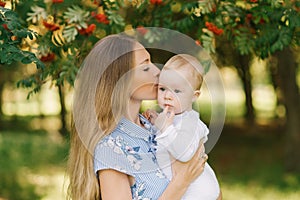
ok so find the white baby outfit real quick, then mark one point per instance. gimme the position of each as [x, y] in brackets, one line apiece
[181, 141]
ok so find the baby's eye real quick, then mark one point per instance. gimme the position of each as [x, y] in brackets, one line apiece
[162, 89]
[177, 91]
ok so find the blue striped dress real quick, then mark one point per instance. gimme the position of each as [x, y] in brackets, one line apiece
[130, 149]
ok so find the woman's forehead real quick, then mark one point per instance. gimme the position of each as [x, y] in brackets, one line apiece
[138, 46]
[140, 53]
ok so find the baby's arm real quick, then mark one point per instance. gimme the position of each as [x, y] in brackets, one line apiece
[150, 115]
[183, 139]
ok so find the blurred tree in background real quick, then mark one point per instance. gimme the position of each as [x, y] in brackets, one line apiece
[60, 33]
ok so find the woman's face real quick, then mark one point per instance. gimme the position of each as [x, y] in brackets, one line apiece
[145, 75]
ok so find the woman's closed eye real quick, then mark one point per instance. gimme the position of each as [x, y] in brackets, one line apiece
[146, 63]
[145, 69]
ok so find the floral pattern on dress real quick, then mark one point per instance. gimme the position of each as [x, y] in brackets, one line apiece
[119, 146]
[131, 149]
[139, 192]
[151, 139]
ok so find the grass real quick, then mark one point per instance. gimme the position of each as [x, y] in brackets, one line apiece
[28, 163]
[248, 161]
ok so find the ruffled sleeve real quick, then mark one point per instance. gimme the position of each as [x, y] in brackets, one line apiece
[113, 153]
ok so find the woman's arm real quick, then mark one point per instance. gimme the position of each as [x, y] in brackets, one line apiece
[184, 173]
[114, 185]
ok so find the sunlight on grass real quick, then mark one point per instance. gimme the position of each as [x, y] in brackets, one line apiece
[32, 165]
[254, 192]
[264, 99]
[46, 102]
[50, 185]
[56, 189]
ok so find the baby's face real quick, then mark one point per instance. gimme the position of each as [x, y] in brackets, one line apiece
[175, 90]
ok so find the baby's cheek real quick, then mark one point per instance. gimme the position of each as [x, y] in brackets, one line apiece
[159, 101]
[159, 97]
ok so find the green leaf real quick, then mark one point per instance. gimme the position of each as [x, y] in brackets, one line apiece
[69, 33]
[77, 15]
[206, 65]
[206, 6]
[26, 60]
[21, 33]
[115, 18]
[37, 13]
[207, 41]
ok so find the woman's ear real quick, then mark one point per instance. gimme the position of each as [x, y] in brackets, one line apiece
[196, 95]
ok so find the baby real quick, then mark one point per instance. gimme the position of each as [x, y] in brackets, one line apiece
[180, 129]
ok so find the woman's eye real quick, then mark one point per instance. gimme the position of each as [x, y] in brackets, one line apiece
[177, 91]
[146, 68]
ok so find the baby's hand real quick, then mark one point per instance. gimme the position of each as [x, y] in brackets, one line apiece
[151, 115]
[165, 119]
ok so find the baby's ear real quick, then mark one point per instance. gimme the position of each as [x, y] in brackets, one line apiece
[196, 95]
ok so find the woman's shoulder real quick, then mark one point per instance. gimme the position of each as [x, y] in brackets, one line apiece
[114, 152]
[123, 145]
[113, 142]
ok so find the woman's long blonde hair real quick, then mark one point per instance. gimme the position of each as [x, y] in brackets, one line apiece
[100, 100]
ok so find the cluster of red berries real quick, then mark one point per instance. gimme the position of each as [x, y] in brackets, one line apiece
[87, 31]
[213, 28]
[48, 58]
[156, 2]
[5, 26]
[2, 4]
[142, 30]
[101, 18]
[13, 37]
[51, 27]
[57, 1]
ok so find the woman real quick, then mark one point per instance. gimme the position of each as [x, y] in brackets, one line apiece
[112, 153]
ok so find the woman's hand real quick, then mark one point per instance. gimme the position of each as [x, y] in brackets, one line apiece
[188, 171]
[184, 173]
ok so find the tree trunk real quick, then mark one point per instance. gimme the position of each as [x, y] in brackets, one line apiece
[244, 72]
[228, 55]
[287, 69]
[275, 77]
[2, 81]
[63, 130]
[1, 97]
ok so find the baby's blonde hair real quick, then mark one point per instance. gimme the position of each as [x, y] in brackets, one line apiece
[184, 61]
